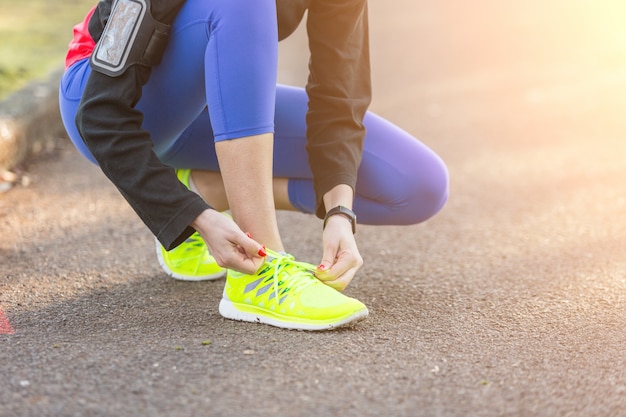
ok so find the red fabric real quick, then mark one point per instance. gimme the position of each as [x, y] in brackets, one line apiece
[82, 44]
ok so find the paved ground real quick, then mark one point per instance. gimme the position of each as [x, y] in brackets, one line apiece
[511, 302]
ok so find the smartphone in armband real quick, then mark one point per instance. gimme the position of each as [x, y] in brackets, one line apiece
[131, 37]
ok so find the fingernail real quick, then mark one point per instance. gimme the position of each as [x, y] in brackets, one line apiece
[249, 235]
[321, 267]
[262, 252]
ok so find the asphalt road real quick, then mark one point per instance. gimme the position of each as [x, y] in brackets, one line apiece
[511, 302]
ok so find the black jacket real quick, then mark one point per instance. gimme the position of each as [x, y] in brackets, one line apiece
[339, 93]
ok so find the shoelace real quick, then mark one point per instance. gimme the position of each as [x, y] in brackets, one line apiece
[300, 273]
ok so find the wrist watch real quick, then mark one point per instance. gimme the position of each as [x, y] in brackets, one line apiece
[344, 211]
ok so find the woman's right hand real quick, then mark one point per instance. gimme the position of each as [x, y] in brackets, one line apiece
[228, 244]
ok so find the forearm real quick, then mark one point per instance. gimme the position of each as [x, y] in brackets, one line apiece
[111, 128]
[339, 195]
[339, 90]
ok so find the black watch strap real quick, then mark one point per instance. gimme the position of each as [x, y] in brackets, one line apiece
[344, 211]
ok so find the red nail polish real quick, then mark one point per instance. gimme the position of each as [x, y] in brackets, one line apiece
[249, 235]
[262, 252]
[321, 267]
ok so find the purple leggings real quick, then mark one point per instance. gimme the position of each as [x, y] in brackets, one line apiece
[400, 180]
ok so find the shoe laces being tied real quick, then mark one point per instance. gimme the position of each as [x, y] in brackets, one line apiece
[285, 267]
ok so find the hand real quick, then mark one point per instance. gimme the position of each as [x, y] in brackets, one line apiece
[229, 245]
[341, 259]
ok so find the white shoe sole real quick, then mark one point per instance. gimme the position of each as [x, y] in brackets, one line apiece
[229, 311]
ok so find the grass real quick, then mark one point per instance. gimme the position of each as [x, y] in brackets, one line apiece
[34, 35]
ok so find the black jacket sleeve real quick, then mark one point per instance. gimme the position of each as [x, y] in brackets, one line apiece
[112, 129]
[289, 14]
[339, 90]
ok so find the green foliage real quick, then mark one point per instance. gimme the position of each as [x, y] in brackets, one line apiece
[34, 35]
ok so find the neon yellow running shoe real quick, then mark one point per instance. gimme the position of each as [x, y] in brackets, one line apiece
[191, 260]
[285, 293]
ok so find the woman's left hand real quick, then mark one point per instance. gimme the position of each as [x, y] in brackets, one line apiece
[341, 258]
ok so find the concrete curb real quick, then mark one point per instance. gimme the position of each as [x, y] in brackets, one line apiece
[30, 124]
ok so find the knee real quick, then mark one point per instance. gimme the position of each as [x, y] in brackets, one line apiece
[426, 193]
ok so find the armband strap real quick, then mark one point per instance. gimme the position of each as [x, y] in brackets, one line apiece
[131, 37]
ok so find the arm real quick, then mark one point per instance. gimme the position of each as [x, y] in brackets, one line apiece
[341, 259]
[111, 127]
[339, 90]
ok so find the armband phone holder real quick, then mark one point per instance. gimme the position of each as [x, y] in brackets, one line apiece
[131, 37]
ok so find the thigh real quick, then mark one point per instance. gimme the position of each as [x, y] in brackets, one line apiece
[220, 55]
[195, 147]
[406, 180]
[290, 155]
[393, 160]
[209, 40]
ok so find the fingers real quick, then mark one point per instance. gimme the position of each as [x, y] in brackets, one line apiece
[229, 245]
[341, 259]
[339, 273]
[252, 247]
[248, 254]
[338, 280]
